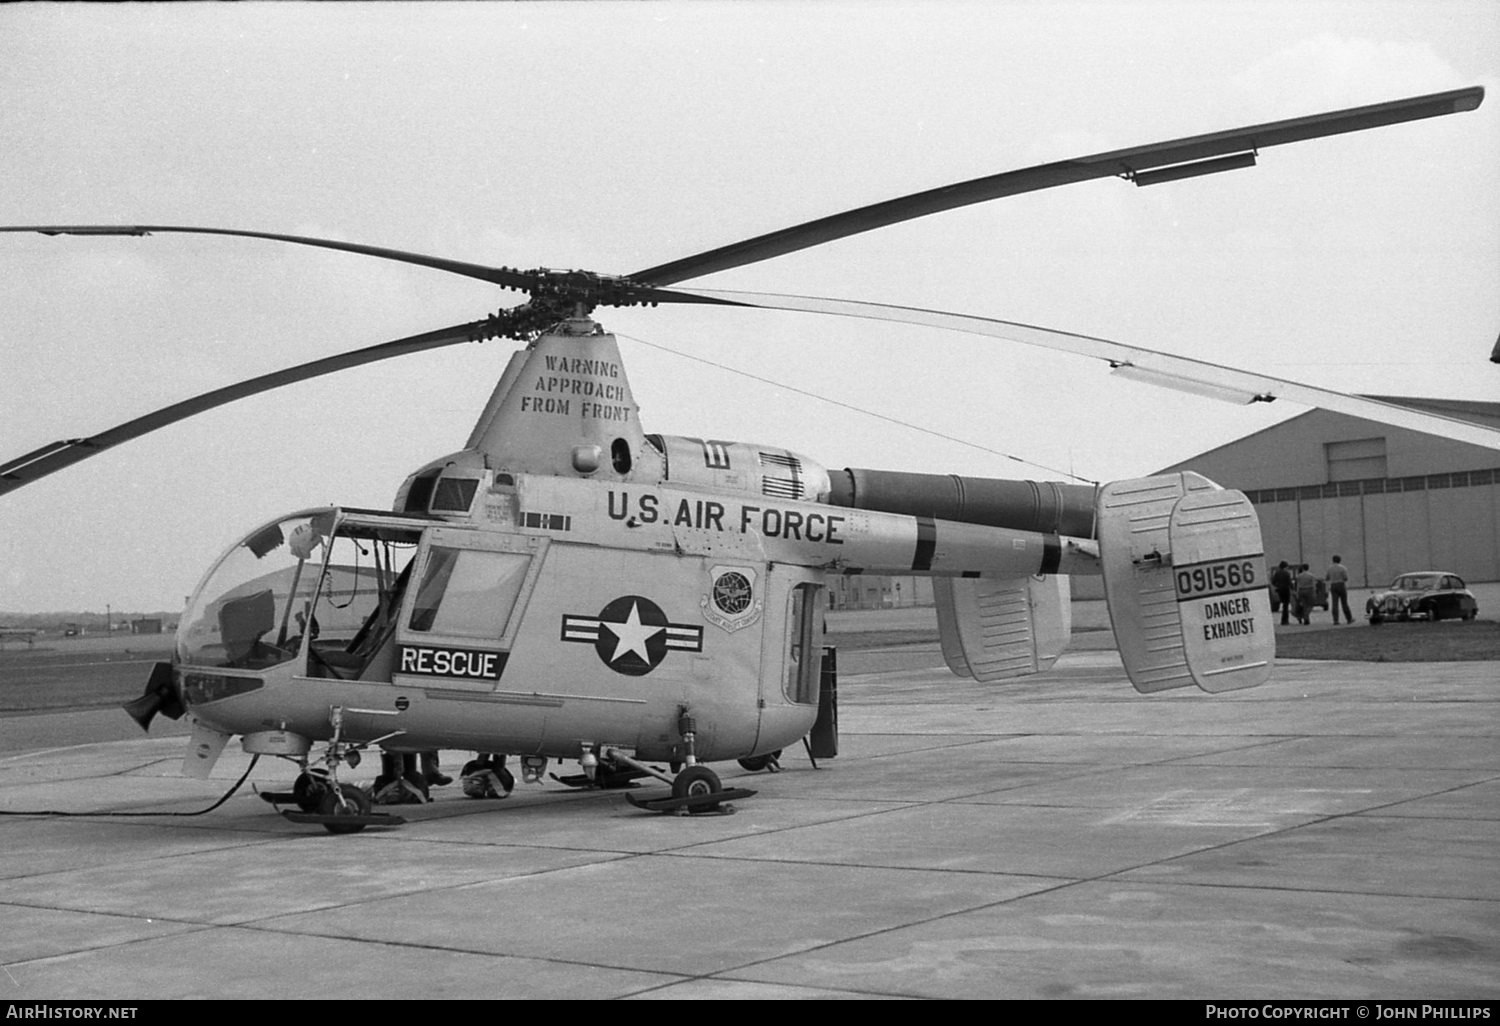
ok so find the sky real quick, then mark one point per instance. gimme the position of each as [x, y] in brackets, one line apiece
[614, 137]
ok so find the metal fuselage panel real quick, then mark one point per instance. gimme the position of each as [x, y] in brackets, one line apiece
[607, 645]
[639, 603]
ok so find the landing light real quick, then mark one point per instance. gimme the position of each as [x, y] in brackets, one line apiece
[586, 458]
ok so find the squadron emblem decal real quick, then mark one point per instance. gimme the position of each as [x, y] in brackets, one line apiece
[732, 601]
[632, 635]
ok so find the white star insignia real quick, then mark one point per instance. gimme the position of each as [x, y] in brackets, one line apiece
[632, 635]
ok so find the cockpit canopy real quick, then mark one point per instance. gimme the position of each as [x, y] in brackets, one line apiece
[332, 574]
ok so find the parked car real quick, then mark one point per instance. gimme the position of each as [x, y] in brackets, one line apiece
[1433, 594]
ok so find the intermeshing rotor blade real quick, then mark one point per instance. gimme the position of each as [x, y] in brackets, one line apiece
[65, 453]
[1180, 373]
[1163, 161]
[506, 276]
[614, 292]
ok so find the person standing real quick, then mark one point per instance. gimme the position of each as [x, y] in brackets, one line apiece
[1281, 583]
[1338, 589]
[1307, 593]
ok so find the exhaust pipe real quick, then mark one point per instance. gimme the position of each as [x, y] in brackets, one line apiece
[161, 697]
[1045, 507]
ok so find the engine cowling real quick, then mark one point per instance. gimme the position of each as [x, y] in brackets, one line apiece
[743, 468]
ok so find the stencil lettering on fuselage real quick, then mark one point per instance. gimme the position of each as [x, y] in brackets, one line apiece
[732, 518]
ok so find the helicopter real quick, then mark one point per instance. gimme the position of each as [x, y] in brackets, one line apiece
[570, 586]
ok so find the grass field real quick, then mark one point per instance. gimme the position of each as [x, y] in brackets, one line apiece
[1414, 642]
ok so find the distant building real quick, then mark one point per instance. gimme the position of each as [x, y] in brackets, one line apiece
[1385, 499]
[146, 625]
[870, 591]
[26, 634]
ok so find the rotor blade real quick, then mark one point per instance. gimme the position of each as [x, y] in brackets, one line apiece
[1182, 156]
[50, 458]
[623, 294]
[1177, 372]
[509, 277]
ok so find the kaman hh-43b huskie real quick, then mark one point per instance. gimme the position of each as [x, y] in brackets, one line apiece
[567, 585]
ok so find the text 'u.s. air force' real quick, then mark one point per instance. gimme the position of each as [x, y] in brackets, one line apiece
[636, 508]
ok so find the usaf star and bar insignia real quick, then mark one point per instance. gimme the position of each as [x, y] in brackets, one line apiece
[632, 635]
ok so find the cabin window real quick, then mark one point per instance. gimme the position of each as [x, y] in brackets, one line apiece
[454, 495]
[468, 593]
[804, 658]
[420, 493]
[358, 595]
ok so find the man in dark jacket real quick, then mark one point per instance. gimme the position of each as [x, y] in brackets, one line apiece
[1281, 583]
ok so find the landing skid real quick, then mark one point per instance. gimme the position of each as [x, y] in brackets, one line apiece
[343, 820]
[693, 804]
[606, 779]
[695, 789]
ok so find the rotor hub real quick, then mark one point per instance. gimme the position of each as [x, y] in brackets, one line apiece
[560, 296]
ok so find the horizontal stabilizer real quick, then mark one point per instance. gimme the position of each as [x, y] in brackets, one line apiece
[998, 629]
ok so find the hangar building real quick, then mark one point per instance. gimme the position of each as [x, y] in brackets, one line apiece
[1386, 499]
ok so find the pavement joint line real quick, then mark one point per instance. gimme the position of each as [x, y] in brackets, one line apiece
[1374, 810]
[914, 923]
[677, 978]
[825, 864]
[449, 949]
[684, 977]
[380, 942]
[718, 976]
[197, 924]
[1283, 889]
[54, 751]
[194, 926]
[151, 858]
[1263, 835]
[258, 922]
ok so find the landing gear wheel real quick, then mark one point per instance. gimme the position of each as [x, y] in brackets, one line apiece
[770, 761]
[308, 792]
[696, 781]
[354, 803]
[696, 790]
